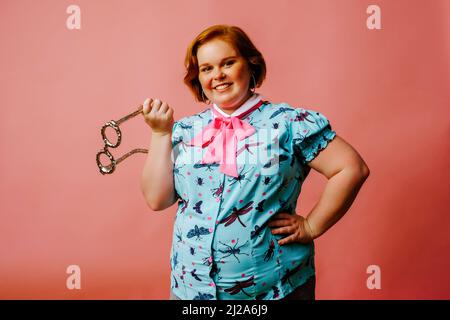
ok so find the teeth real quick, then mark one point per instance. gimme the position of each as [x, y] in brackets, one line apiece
[223, 86]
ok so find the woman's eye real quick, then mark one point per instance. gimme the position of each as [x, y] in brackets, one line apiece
[204, 69]
[229, 63]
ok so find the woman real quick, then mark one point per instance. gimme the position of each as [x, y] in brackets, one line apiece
[236, 170]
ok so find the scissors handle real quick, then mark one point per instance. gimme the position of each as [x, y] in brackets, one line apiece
[108, 169]
[131, 115]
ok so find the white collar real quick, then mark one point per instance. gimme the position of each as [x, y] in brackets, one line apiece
[252, 101]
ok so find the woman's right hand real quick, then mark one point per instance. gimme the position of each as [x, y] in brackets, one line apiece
[158, 115]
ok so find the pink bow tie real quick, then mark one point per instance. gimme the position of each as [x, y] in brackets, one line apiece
[221, 136]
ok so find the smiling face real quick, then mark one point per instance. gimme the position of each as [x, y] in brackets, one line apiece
[223, 74]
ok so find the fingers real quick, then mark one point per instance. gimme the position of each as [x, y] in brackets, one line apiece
[282, 215]
[155, 106]
[158, 115]
[169, 114]
[290, 239]
[283, 230]
[279, 223]
[146, 105]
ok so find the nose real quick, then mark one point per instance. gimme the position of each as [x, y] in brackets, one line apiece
[219, 74]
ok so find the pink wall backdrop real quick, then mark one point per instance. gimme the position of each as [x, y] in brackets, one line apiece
[385, 91]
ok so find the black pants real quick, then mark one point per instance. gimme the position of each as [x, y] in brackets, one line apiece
[306, 291]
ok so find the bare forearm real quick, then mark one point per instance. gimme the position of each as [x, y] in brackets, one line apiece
[157, 176]
[338, 196]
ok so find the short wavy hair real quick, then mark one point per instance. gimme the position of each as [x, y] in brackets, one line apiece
[241, 43]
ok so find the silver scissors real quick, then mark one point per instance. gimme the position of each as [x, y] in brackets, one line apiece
[108, 169]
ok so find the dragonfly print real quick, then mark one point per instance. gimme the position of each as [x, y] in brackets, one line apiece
[275, 160]
[184, 204]
[195, 276]
[281, 110]
[247, 147]
[303, 116]
[175, 280]
[289, 273]
[185, 126]
[269, 253]
[240, 286]
[179, 235]
[276, 142]
[200, 115]
[179, 140]
[208, 166]
[236, 214]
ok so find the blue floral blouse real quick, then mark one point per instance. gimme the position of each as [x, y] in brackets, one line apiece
[222, 247]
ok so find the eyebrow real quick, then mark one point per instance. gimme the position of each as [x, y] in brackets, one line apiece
[203, 64]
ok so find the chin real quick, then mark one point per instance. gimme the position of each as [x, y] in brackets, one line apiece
[226, 104]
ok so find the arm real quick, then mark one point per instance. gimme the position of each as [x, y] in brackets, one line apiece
[157, 176]
[346, 172]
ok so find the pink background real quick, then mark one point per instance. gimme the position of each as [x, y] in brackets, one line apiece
[385, 91]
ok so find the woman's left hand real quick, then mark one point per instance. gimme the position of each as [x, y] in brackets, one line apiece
[296, 226]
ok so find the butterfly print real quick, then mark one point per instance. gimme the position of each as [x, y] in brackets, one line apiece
[260, 206]
[276, 292]
[197, 207]
[203, 296]
[197, 232]
[199, 181]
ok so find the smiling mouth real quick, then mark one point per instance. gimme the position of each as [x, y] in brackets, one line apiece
[222, 87]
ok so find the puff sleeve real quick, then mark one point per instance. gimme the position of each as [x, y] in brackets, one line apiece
[311, 133]
[176, 138]
[175, 133]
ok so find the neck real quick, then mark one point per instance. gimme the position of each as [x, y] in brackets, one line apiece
[230, 111]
